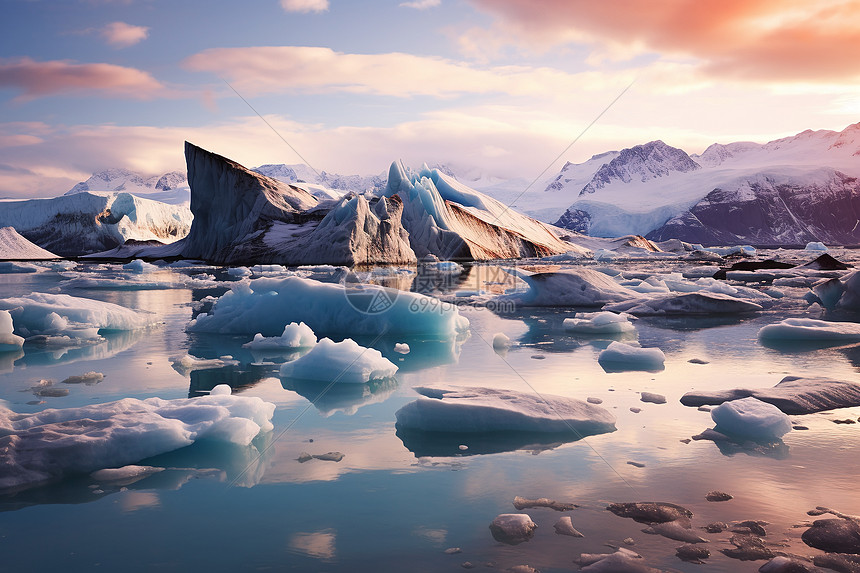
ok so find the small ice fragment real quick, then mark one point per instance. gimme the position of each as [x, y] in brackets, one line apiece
[599, 323]
[453, 550]
[635, 410]
[627, 357]
[652, 398]
[752, 418]
[88, 378]
[295, 335]
[401, 348]
[343, 362]
[564, 526]
[221, 390]
[501, 341]
[463, 447]
[513, 528]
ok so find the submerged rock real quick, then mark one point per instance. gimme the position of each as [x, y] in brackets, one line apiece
[834, 535]
[679, 530]
[623, 560]
[692, 553]
[522, 503]
[718, 496]
[650, 511]
[748, 548]
[513, 528]
[837, 562]
[782, 564]
[652, 398]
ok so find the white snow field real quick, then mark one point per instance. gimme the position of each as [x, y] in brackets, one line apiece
[624, 356]
[295, 335]
[600, 323]
[810, 329]
[751, 418]
[343, 362]
[475, 409]
[55, 443]
[75, 317]
[266, 305]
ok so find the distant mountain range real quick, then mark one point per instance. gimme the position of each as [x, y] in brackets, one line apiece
[789, 191]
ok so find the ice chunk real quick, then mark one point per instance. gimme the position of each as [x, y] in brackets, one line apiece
[815, 246]
[793, 395]
[125, 475]
[624, 356]
[810, 329]
[599, 323]
[294, 336]
[8, 341]
[343, 362]
[89, 378]
[56, 443]
[752, 418]
[239, 272]
[687, 303]
[64, 315]
[476, 409]
[652, 398]
[186, 363]
[513, 528]
[11, 267]
[401, 348]
[623, 560]
[569, 287]
[266, 305]
[501, 341]
[140, 266]
[564, 526]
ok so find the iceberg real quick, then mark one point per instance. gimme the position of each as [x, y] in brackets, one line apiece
[752, 418]
[342, 362]
[569, 287]
[624, 356]
[266, 305]
[8, 340]
[792, 395]
[684, 304]
[810, 329]
[75, 317]
[295, 336]
[56, 443]
[600, 323]
[14, 246]
[477, 409]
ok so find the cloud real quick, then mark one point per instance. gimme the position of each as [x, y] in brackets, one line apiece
[421, 4]
[122, 35]
[304, 6]
[38, 79]
[294, 69]
[783, 40]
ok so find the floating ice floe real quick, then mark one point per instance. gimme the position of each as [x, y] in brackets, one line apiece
[599, 323]
[810, 329]
[239, 272]
[187, 363]
[622, 560]
[294, 336]
[8, 340]
[751, 418]
[52, 444]
[842, 293]
[569, 287]
[75, 317]
[816, 246]
[792, 395]
[476, 409]
[401, 348]
[11, 267]
[140, 266]
[342, 362]
[683, 304]
[266, 305]
[620, 356]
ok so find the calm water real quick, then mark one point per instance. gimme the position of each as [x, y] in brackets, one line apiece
[397, 503]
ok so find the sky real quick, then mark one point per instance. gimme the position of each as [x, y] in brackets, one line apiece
[500, 87]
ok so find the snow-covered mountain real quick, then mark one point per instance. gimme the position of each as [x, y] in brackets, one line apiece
[87, 222]
[171, 188]
[321, 184]
[641, 189]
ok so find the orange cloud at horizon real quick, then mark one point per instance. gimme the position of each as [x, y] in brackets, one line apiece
[777, 40]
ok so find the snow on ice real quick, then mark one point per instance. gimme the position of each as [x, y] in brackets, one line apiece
[342, 362]
[810, 329]
[56, 443]
[295, 335]
[598, 323]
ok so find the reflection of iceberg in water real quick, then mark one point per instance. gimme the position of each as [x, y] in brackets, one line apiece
[241, 466]
[344, 398]
[8, 359]
[114, 342]
[445, 444]
[422, 354]
[732, 445]
[239, 377]
[319, 544]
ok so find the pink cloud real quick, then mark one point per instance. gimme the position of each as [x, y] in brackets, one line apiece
[122, 35]
[792, 40]
[37, 79]
[304, 6]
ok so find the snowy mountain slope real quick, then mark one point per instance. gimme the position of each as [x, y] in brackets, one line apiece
[72, 225]
[14, 246]
[169, 188]
[639, 192]
[772, 208]
[322, 184]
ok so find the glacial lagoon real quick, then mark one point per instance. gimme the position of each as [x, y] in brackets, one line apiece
[410, 501]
